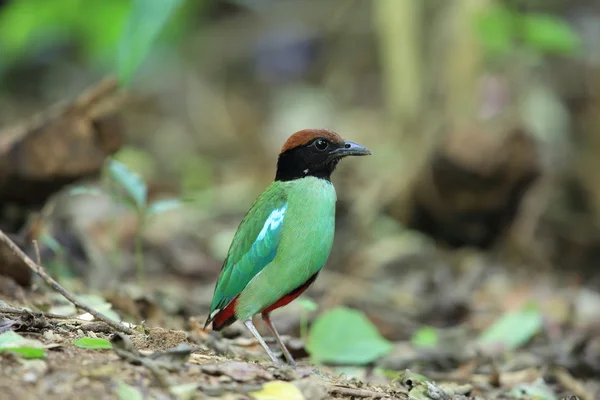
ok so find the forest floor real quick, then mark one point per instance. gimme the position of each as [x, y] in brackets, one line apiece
[190, 363]
[159, 364]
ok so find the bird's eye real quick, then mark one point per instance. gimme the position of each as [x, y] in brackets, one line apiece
[321, 144]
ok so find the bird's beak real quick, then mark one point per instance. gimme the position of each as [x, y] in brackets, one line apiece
[350, 149]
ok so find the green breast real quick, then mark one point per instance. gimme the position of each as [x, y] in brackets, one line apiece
[304, 246]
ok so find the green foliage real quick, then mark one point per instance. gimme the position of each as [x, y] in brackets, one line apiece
[92, 343]
[345, 336]
[501, 28]
[424, 337]
[27, 26]
[28, 348]
[495, 29]
[513, 329]
[115, 34]
[146, 20]
[549, 34]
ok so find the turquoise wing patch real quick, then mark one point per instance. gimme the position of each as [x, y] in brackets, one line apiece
[254, 246]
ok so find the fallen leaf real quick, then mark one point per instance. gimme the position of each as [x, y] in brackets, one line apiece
[425, 337]
[28, 348]
[92, 343]
[345, 336]
[278, 390]
[513, 329]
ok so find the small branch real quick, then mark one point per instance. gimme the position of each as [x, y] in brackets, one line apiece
[39, 314]
[54, 285]
[571, 384]
[363, 393]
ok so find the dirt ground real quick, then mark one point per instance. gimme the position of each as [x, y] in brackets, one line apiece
[69, 372]
[190, 363]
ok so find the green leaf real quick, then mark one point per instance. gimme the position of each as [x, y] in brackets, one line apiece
[426, 336]
[27, 352]
[28, 348]
[549, 34]
[162, 206]
[307, 304]
[345, 336]
[128, 392]
[513, 329]
[92, 343]
[130, 181]
[146, 20]
[495, 28]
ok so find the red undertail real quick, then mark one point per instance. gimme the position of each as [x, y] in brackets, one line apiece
[227, 316]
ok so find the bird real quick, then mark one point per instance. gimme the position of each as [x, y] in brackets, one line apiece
[285, 238]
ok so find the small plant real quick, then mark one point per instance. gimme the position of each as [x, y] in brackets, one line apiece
[129, 189]
[136, 198]
[308, 306]
[58, 266]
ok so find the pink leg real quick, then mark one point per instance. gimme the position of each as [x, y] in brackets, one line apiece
[267, 318]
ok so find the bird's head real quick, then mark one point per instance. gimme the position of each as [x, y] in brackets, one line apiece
[314, 152]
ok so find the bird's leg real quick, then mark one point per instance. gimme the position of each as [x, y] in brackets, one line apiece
[267, 318]
[253, 330]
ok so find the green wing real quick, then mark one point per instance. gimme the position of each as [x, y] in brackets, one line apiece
[253, 247]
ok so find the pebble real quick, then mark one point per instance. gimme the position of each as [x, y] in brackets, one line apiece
[29, 377]
[49, 335]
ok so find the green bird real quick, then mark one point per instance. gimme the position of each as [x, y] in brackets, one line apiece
[285, 238]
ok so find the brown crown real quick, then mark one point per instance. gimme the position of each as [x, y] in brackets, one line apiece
[305, 136]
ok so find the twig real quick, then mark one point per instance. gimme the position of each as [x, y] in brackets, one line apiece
[346, 391]
[61, 321]
[571, 384]
[38, 269]
[39, 314]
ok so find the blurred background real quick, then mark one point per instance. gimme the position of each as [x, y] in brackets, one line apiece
[482, 194]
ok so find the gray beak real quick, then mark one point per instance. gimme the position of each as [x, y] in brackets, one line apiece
[350, 149]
